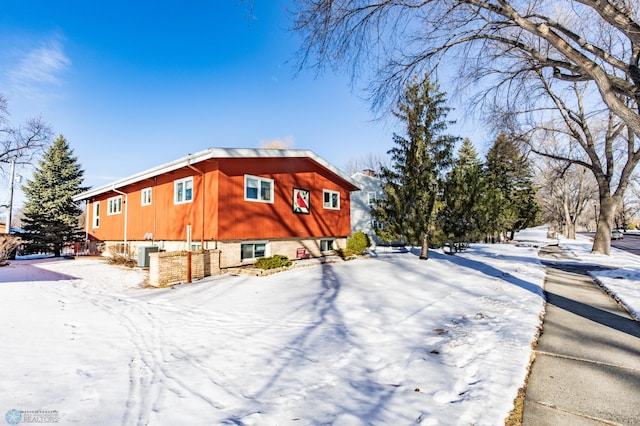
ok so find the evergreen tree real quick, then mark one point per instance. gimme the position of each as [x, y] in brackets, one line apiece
[50, 214]
[419, 160]
[512, 198]
[463, 193]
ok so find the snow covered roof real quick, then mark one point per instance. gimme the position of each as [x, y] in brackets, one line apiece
[213, 153]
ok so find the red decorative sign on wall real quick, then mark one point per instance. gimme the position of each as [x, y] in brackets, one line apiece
[300, 201]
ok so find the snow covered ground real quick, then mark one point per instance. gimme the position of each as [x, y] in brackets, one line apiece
[385, 340]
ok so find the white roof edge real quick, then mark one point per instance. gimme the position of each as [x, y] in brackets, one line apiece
[360, 174]
[213, 153]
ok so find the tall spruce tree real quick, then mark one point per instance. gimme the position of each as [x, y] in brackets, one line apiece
[419, 161]
[50, 214]
[463, 193]
[512, 198]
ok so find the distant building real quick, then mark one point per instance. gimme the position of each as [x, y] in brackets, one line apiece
[362, 202]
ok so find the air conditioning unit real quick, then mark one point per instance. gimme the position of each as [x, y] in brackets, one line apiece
[143, 255]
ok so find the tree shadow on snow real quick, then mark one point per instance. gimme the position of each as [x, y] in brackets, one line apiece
[324, 339]
[17, 271]
[489, 271]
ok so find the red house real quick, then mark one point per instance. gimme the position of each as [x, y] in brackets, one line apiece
[247, 203]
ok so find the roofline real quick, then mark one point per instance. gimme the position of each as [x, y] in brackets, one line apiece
[353, 176]
[213, 153]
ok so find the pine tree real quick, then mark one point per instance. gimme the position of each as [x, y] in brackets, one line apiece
[50, 214]
[513, 195]
[463, 192]
[419, 160]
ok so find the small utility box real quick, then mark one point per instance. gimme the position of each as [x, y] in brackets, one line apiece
[143, 255]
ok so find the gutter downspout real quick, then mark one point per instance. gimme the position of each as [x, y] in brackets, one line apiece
[155, 209]
[203, 200]
[86, 225]
[126, 210]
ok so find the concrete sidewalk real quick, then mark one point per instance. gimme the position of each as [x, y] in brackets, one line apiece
[587, 361]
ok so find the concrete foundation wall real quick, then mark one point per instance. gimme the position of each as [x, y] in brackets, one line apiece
[229, 252]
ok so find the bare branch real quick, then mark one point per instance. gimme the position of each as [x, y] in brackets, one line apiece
[21, 143]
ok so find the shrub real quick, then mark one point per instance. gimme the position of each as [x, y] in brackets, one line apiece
[121, 259]
[8, 244]
[358, 243]
[275, 261]
[345, 254]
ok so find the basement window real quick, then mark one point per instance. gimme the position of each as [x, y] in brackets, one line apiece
[250, 251]
[326, 245]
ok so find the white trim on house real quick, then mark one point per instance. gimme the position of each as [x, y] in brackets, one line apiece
[146, 196]
[114, 205]
[326, 244]
[213, 153]
[260, 195]
[264, 243]
[182, 191]
[333, 201]
[95, 220]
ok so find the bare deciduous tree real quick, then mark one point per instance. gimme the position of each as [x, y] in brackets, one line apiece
[566, 193]
[404, 36]
[370, 161]
[526, 53]
[20, 143]
[595, 139]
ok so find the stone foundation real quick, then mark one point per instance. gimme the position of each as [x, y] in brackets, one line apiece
[168, 268]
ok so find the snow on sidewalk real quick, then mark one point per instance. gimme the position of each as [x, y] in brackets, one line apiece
[386, 340]
[619, 273]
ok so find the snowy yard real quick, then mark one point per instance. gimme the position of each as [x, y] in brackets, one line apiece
[386, 340]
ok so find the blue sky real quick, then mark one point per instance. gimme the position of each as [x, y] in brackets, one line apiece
[133, 85]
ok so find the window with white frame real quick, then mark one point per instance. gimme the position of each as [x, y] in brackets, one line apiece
[331, 199]
[250, 251]
[326, 245]
[145, 197]
[183, 190]
[96, 214]
[258, 189]
[114, 205]
[371, 199]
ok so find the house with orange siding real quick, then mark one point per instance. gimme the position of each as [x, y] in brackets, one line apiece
[247, 203]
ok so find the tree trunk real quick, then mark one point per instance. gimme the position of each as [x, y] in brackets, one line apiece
[424, 253]
[602, 240]
[571, 230]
